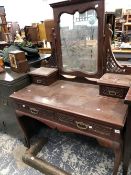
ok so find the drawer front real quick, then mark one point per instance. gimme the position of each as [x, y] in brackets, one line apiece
[113, 91]
[37, 112]
[44, 80]
[85, 126]
[39, 80]
[75, 122]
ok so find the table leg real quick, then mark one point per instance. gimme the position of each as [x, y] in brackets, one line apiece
[117, 148]
[127, 143]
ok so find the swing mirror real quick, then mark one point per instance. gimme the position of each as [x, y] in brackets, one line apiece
[79, 41]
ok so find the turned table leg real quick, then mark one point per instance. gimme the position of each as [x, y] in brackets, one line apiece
[118, 157]
[127, 142]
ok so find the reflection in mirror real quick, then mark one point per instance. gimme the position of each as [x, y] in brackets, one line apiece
[79, 41]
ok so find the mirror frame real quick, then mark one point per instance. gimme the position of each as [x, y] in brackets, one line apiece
[81, 6]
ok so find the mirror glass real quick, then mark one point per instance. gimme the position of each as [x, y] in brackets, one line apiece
[79, 41]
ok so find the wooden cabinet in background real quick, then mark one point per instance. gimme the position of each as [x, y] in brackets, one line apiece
[45, 30]
[3, 24]
[9, 83]
[127, 24]
[49, 24]
[32, 34]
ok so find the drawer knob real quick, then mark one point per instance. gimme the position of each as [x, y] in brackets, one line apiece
[82, 125]
[39, 81]
[90, 127]
[34, 111]
[117, 131]
[112, 92]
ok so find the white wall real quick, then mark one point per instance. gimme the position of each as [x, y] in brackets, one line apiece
[111, 5]
[26, 12]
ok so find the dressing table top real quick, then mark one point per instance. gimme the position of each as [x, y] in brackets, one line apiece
[43, 71]
[76, 98]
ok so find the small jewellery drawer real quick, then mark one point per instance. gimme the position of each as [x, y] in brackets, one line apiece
[40, 80]
[111, 91]
[44, 76]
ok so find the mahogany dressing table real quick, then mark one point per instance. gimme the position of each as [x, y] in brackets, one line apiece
[84, 98]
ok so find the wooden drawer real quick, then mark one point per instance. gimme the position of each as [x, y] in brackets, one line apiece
[114, 85]
[44, 76]
[87, 126]
[72, 121]
[111, 91]
[37, 112]
[43, 80]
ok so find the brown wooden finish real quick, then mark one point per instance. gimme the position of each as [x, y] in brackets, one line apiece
[43, 71]
[128, 97]
[127, 141]
[18, 61]
[3, 27]
[32, 34]
[114, 85]
[71, 7]
[76, 107]
[116, 80]
[49, 24]
[104, 141]
[68, 97]
[113, 91]
[42, 165]
[44, 75]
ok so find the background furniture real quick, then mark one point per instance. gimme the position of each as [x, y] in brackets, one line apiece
[3, 44]
[12, 28]
[31, 33]
[127, 24]
[45, 30]
[10, 82]
[3, 24]
[110, 19]
[122, 54]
